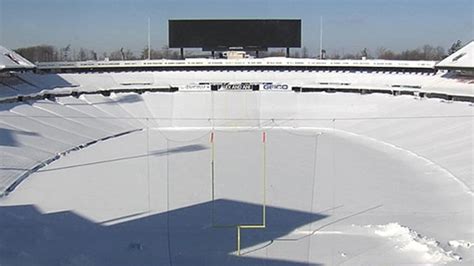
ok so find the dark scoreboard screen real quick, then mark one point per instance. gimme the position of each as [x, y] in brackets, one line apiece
[222, 34]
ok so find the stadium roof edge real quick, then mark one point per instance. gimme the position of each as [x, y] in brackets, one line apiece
[11, 61]
[462, 59]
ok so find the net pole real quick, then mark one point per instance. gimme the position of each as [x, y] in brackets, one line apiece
[212, 177]
[238, 240]
[149, 41]
[264, 141]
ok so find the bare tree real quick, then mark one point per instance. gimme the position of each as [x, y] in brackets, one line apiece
[323, 54]
[455, 46]
[82, 54]
[305, 52]
[129, 55]
[39, 53]
[115, 55]
[165, 51]
[175, 55]
[365, 53]
[122, 54]
[275, 53]
[350, 56]
[432, 53]
[48, 53]
[94, 55]
[168, 53]
[384, 53]
[65, 52]
[154, 54]
[335, 55]
[440, 54]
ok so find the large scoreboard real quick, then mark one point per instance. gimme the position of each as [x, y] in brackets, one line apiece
[246, 34]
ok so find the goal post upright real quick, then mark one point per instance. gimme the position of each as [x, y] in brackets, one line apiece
[239, 227]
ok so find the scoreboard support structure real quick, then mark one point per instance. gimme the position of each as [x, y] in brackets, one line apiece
[234, 34]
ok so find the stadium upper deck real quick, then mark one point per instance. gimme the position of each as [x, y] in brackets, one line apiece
[275, 63]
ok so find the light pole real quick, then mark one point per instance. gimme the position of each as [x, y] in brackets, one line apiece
[149, 45]
[321, 38]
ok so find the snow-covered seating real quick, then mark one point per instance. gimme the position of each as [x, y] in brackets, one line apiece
[7, 92]
[46, 81]
[92, 81]
[35, 132]
[22, 87]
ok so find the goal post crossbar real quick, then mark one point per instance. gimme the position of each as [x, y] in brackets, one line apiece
[239, 227]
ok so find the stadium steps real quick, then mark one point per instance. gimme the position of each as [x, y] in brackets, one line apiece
[138, 78]
[23, 88]
[33, 139]
[78, 116]
[87, 125]
[7, 92]
[160, 106]
[107, 121]
[26, 151]
[35, 133]
[93, 81]
[133, 103]
[56, 121]
[109, 106]
[14, 162]
[46, 130]
[9, 177]
[45, 81]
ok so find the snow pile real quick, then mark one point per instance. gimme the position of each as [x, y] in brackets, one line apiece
[408, 240]
[460, 243]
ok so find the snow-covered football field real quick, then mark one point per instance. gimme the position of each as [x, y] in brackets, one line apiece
[344, 178]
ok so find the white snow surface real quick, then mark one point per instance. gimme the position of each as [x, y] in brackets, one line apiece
[407, 240]
[441, 82]
[335, 163]
[393, 120]
[354, 182]
[460, 243]
[462, 58]
[435, 83]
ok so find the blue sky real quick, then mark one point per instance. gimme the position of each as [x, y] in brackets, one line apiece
[349, 25]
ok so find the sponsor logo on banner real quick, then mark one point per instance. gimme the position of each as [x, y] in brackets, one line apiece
[196, 87]
[236, 86]
[273, 86]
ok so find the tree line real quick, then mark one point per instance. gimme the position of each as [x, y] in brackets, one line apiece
[425, 52]
[49, 53]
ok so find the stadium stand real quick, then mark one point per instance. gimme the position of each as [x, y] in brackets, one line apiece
[461, 60]
[45, 115]
[7, 92]
[10, 61]
[39, 130]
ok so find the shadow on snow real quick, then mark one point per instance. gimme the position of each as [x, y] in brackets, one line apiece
[183, 236]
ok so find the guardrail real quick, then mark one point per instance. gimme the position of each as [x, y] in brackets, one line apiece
[236, 63]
